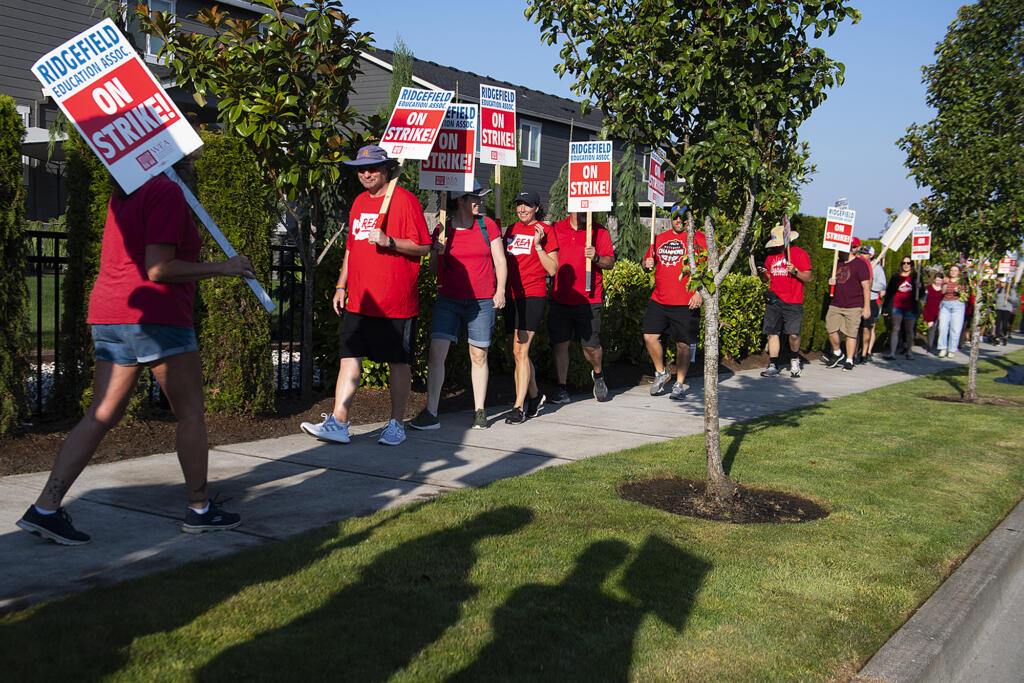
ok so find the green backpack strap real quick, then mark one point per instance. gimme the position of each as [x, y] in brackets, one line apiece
[483, 230]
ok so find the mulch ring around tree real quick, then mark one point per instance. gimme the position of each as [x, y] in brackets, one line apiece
[981, 401]
[688, 497]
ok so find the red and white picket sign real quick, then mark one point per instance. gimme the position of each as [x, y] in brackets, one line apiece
[656, 180]
[838, 229]
[921, 243]
[1006, 266]
[590, 176]
[415, 122]
[451, 163]
[497, 125]
[99, 82]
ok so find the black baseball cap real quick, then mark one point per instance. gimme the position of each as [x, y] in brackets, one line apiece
[528, 197]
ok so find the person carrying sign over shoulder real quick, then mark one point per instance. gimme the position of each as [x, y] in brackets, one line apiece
[469, 259]
[377, 294]
[850, 304]
[784, 302]
[672, 308]
[532, 256]
[140, 310]
[573, 312]
[903, 301]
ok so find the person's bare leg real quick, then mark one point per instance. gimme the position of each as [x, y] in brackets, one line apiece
[435, 372]
[350, 371]
[532, 389]
[851, 348]
[561, 353]
[594, 355]
[112, 387]
[400, 385]
[478, 372]
[833, 340]
[774, 345]
[794, 344]
[683, 361]
[656, 351]
[180, 378]
[523, 373]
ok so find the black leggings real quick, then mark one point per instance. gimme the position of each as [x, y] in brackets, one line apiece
[1004, 319]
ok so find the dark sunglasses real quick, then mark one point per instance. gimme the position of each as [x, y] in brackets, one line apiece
[907, 263]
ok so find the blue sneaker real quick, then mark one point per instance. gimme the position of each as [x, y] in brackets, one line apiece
[328, 430]
[214, 519]
[56, 527]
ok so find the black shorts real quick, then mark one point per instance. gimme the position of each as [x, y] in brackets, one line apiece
[682, 322]
[524, 313]
[582, 322]
[384, 340]
[783, 318]
[875, 310]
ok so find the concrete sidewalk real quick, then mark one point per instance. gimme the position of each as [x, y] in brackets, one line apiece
[285, 486]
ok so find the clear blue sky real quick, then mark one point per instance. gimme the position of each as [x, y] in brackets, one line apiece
[852, 135]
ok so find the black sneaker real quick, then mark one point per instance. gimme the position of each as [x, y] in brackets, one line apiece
[559, 396]
[479, 419]
[56, 527]
[835, 361]
[515, 417]
[533, 405]
[847, 366]
[214, 519]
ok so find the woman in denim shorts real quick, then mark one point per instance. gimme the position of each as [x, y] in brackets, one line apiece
[468, 256]
[903, 300]
[140, 311]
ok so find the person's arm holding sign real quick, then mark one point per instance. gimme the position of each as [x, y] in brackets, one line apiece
[402, 245]
[805, 276]
[163, 266]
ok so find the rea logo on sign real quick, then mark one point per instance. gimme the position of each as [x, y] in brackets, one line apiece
[146, 160]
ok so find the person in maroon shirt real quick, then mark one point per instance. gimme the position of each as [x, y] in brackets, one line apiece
[140, 310]
[574, 312]
[378, 295]
[851, 303]
[903, 301]
[672, 308]
[532, 256]
[930, 312]
[785, 312]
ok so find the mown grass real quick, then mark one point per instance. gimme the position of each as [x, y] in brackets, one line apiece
[552, 577]
[41, 290]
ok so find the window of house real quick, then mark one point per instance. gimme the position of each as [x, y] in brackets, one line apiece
[150, 45]
[529, 142]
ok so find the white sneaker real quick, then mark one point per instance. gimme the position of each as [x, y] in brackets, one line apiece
[328, 430]
[794, 367]
[393, 433]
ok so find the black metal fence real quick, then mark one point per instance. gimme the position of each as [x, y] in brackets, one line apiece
[46, 268]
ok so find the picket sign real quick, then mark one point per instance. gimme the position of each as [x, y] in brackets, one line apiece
[590, 186]
[497, 133]
[589, 285]
[897, 233]
[122, 112]
[655, 186]
[921, 243]
[838, 234]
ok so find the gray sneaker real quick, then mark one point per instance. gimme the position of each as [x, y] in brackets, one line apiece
[559, 396]
[328, 430]
[794, 367]
[425, 420]
[392, 434]
[480, 420]
[678, 392]
[660, 378]
[770, 371]
[600, 387]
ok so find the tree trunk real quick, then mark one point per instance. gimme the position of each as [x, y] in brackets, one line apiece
[971, 395]
[720, 487]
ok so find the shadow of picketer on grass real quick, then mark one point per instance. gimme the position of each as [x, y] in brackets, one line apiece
[577, 629]
[403, 601]
[90, 636]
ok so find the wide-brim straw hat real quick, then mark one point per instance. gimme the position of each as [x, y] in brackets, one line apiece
[777, 239]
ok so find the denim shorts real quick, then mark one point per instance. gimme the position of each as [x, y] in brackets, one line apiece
[134, 344]
[451, 315]
[909, 314]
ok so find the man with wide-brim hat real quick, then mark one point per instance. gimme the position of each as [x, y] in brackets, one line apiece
[786, 270]
[377, 293]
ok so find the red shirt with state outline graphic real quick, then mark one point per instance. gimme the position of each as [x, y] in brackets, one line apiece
[526, 274]
[571, 276]
[381, 282]
[669, 253]
[789, 287]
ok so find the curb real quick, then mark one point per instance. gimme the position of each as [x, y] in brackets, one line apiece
[940, 637]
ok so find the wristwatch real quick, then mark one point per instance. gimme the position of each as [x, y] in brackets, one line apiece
[391, 242]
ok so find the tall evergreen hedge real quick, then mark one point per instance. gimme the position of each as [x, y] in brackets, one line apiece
[14, 336]
[88, 186]
[232, 326]
[813, 335]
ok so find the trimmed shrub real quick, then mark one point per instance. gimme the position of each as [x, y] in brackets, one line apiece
[813, 335]
[740, 316]
[232, 326]
[14, 335]
[627, 288]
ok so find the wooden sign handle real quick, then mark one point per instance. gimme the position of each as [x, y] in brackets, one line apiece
[497, 194]
[387, 196]
[443, 216]
[590, 262]
[654, 213]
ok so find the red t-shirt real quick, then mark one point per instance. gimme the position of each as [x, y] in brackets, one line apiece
[669, 252]
[789, 287]
[903, 299]
[526, 274]
[381, 282]
[468, 267]
[849, 290]
[571, 277]
[156, 213]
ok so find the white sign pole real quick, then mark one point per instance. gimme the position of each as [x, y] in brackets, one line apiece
[219, 237]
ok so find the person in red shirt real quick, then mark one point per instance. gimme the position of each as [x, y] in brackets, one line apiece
[377, 293]
[469, 259]
[784, 312]
[850, 304]
[140, 310]
[532, 255]
[903, 301]
[573, 312]
[672, 308]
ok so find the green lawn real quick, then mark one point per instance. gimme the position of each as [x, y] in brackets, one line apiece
[47, 283]
[552, 576]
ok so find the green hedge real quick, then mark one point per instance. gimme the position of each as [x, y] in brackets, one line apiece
[813, 335]
[232, 326]
[14, 335]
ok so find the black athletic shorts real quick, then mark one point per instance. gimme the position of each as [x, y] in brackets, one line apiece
[681, 322]
[384, 340]
[783, 318]
[875, 311]
[582, 322]
[524, 313]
